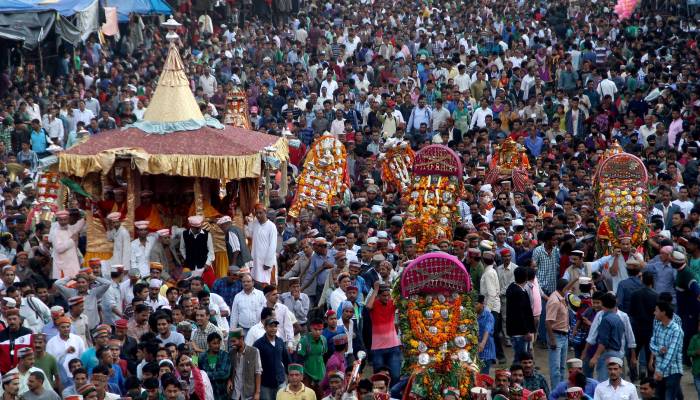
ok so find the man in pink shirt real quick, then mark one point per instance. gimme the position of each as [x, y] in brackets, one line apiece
[676, 127]
[386, 347]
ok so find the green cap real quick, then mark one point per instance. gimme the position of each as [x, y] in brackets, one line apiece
[295, 367]
[235, 333]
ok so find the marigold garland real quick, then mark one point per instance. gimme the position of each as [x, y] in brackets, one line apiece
[444, 368]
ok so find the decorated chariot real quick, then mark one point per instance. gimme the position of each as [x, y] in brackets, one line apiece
[397, 162]
[432, 196]
[509, 162]
[622, 200]
[438, 327]
[324, 179]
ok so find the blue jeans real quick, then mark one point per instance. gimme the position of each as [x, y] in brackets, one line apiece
[388, 358]
[542, 327]
[697, 385]
[601, 368]
[557, 359]
[670, 388]
[519, 346]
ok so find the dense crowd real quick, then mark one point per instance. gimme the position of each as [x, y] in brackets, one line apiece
[564, 79]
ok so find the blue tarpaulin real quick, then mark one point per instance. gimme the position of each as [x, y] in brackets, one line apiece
[142, 7]
[65, 8]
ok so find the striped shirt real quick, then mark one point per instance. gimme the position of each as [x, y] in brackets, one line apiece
[670, 337]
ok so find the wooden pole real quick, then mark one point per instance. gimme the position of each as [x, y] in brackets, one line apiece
[283, 181]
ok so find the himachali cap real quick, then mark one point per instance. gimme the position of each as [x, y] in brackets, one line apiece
[578, 253]
[340, 339]
[235, 333]
[121, 324]
[9, 302]
[223, 220]
[141, 224]
[614, 360]
[155, 284]
[10, 377]
[537, 395]
[62, 213]
[156, 265]
[62, 320]
[336, 375]
[195, 221]
[502, 373]
[291, 241]
[505, 252]
[163, 232]
[115, 216]
[574, 363]
[295, 367]
[584, 280]
[75, 300]
[330, 313]
[73, 397]
[86, 389]
[86, 270]
[25, 352]
[117, 268]
[574, 390]
[135, 273]
[676, 257]
[57, 311]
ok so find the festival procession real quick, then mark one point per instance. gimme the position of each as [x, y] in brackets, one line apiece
[349, 200]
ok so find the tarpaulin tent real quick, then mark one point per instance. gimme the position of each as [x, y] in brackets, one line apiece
[66, 8]
[30, 21]
[28, 27]
[142, 7]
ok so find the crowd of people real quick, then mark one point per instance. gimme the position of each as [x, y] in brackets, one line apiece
[305, 299]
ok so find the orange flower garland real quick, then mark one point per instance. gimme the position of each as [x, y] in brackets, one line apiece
[446, 330]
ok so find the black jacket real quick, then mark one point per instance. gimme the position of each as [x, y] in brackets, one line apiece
[519, 319]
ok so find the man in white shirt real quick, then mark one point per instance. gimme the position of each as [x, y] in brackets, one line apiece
[155, 299]
[65, 346]
[32, 310]
[264, 251]
[682, 201]
[330, 84]
[247, 305]
[286, 328]
[83, 114]
[54, 127]
[92, 103]
[208, 82]
[648, 129]
[462, 80]
[615, 387]
[119, 235]
[607, 87]
[141, 247]
[479, 117]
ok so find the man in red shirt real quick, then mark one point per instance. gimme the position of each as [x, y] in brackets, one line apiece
[386, 347]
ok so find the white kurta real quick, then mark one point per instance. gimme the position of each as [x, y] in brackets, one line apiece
[58, 348]
[264, 238]
[140, 252]
[121, 253]
[66, 261]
